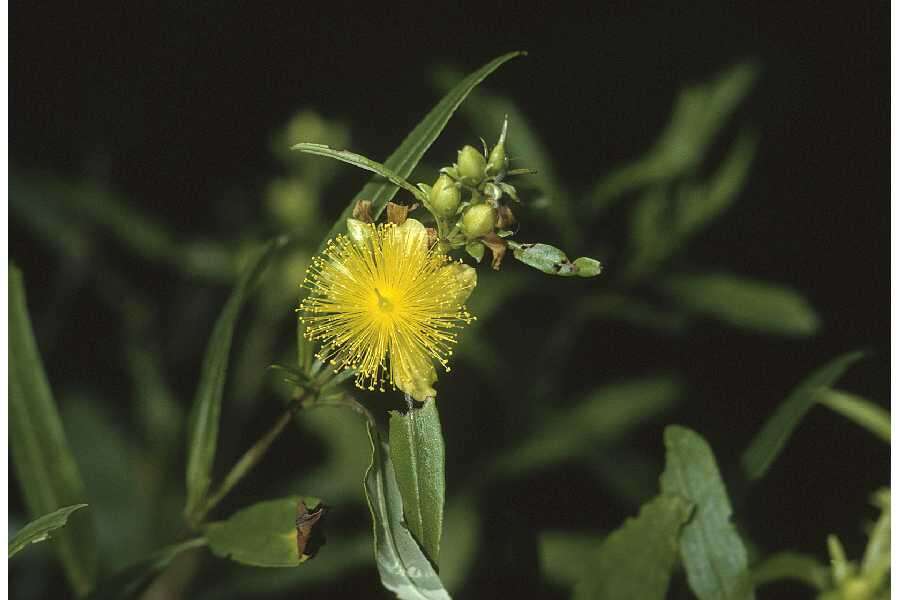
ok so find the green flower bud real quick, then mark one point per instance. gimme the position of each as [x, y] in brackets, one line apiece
[471, 164]
[497, 160]
[478, 221]
[444, 197]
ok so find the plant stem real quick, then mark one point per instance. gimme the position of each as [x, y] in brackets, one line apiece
[250, 458]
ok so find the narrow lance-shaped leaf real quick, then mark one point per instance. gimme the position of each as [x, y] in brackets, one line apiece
[357, 160]
[45, 467]
[403, 567]
[40, 529]
[401, 162]
[713, 553]
[791, 565]
[417, 452]
[203, 428]
[745, 303]
[635, 562]
[405, 158]
[859, 410]
[766, 445]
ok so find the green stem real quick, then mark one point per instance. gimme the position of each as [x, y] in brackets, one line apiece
[250, 459]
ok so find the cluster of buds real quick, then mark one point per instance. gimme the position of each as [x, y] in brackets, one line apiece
[468, 201]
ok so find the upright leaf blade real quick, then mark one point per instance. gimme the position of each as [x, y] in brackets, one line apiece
[203, 429]
[766, 445]
[711, 549]
[403, 567]
[417, 452]
[40, 452]
[405, 158]
[635, 562]
[39, 530]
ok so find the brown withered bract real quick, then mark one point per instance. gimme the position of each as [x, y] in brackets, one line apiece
[432, 236]
[505, 217]
[306, 520]
[497, 246]
[397, 213]
[363, 211]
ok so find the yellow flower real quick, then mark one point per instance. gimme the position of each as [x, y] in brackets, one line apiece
[385, 304]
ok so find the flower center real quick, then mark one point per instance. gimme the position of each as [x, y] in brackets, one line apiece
[384, 305]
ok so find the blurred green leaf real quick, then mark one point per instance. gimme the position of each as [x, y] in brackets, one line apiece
[262, 535]
[711, 549]
[791, 565]
[45, 468]
[64, 213]
[39, 530]
[115, 475]
[659, 226]
[766, 445]
[402, 162]
[403, 567]
[417, 452]
[132, 581]
[367, 164]
[203, 427]
[553, 261]
[635, 562]
[604, 416]
[699, 114]
[859, 410]
[459, 545]
[877, 557]
[753, 305]
[567, 557]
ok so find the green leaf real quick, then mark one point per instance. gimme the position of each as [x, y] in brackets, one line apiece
[744, 303]
[402, 162]
[262, 535]
[567, 557]
[553, 261]
[362, 162]
[660, 225]
[859, 410]
[203, 428]
[713, 554]
[766, 445]
[132, 581]
[635, 562]
[45, 468]
[460, 543]
[475, 250]
[603, 417]
[417, 451]
[791, 565]
[39, 529]
[405, 158]
[403, 567]
[699, 113]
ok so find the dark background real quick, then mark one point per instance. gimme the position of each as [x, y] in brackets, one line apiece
[175, 106]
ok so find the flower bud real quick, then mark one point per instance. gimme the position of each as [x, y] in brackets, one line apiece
[478, 220]
[444, 197]
[497, 160]
[471, 164]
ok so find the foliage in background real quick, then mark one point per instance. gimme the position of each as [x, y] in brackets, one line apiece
[681, 516]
